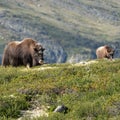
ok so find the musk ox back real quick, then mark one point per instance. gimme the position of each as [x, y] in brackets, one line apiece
[28, 52]
[105, 52]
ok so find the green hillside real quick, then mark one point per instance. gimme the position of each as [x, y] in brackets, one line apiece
[90, 90]
[79, 26]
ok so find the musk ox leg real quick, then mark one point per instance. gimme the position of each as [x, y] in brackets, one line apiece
[28, 65]
[109, 57]
[27, 61]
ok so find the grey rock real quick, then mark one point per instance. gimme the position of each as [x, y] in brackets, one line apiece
[61, 108]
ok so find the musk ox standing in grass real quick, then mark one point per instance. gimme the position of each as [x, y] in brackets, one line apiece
[27, 52]
[105, 52]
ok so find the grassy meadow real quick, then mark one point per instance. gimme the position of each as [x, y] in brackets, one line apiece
[90, 91]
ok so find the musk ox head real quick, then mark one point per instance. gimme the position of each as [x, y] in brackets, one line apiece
[105, 52]
[38, 57]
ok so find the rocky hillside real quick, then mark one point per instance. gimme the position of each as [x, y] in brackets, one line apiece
[69, 30]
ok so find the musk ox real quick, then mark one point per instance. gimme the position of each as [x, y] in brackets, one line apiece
[105, 52]
[27, 52]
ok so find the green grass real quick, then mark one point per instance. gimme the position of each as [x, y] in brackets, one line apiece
[89, 91]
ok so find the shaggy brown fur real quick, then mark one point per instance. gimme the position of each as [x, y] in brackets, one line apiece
[28, 52]
[105, 52]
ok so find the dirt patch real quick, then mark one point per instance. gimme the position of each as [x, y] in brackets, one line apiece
[46, 68]
[85, 63]
[35, 113]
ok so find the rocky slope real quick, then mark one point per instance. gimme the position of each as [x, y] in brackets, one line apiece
[69, 30]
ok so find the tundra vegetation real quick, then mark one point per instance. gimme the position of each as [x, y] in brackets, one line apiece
[90, 91]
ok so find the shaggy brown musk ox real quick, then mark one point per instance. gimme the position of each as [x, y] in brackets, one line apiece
[105, 52]
[27, 52]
